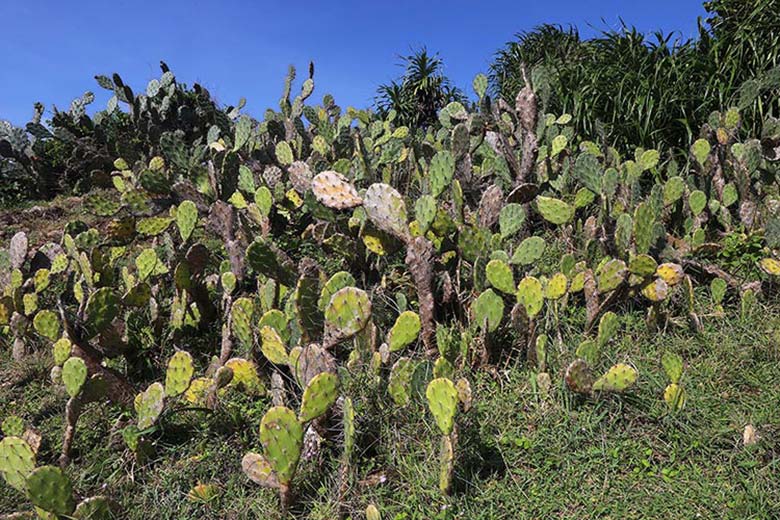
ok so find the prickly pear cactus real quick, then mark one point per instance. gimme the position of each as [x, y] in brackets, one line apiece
[50, 489]
[554, 210]
[611, 275]
[530, 295]
[443, 403]
[245, 376]
[441, 171]
[179, 373]
[488, 310]
[259, 470]
[578, 377]
[17, 460]
[282, 437]
[149, 405]
[530, 250]
[387, 210]
[674, 396]
[556, 287]
[241, 317]
[47, 324]
[186, 219]
[319, 395]
[425, 212]
[74, 375]
[673, 366]
[347, 314]
[102, 307]
[272, 346]
[399, 385]
[500, 276]
[619, 378]
[446, 464]
[334, 191]
[670, 273]
[335, 283]
[404, 331]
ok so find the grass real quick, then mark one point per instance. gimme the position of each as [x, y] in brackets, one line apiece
[520, 455]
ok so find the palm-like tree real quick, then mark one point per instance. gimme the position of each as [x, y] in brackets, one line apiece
[421, 91]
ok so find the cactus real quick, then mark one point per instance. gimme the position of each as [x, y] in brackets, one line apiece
[608, 326]
[440, 172]
[488, 310]
[399, 385]
[102, 308]
[656, 290]
[179, 373]
[17, 461]
[443, 403]
[718, 288]
[74, 375]
[245, 376]
[673, 366]
[611, 275]
[644, 225]
[272, 345]
[674, 396]
[281, 435]
[500, 276]
[404, 331]
[319, 395]
[149, 405]
[186, 219]
[556, 287]
[553, 210]
[589, 351]
[671, 273]
[387, 210]
[333, 190]
[93, 508]
[770, 266]
[17, 250]
[372, 513]
[642, 265]
[259, 470]
[347, 313]
[511, 219]
[530, 250]
[241, 316]
[47, 324]
[425, 212]
[578, 377]
[13, 426]
[619, 378]
[50, 489]
[284, 153]
[530, 295]
[446, 464]
[443, 368]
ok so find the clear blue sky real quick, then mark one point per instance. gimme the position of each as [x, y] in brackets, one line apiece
[50, 50]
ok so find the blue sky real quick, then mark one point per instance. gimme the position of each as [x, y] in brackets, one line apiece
[50, 50]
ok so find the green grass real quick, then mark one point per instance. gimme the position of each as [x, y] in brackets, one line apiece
[520, 455]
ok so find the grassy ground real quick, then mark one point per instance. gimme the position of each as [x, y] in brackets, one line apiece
[520, 455]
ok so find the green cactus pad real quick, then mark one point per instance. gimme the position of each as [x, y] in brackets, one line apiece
[282, 437]
[443, 403]
[102, 307]
[347, 313]
[50, 489]
[93, 508]
[284, 153]
[264, 258]
[348, 424]
[488, 309]
[425, 212]
[611, 275]
[241, 317]
[578, 377]
[245, 376]
[335, 283]
[674, 396]
[404, 332]
[179, 373]
[500, 276]
[608, 326]
[149, 405]
[47, 324]
[644, 226]
[718, 288]
[619, 378]
[276, 319]
[320, 394]
[443, 367]
[197, 392]
[511, 219]
[272, 346]
[673, 190]
[553, 210]
[399, 385]
[556, 287]
[530, 250]
[441, 171]
[530, 295]
[13, 426]
[642, 265]
[74, 375]
[673, 366]
[259, 470]
[17, 460]
[333, 190]
[186, 219]
[588, 350]
[152, 226]
[387, 210]
[656, 290]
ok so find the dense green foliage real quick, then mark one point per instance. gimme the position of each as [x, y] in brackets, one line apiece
[654, 91]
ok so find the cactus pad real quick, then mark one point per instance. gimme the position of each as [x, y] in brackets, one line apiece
[17, 460]
[446, 464]
[425, 212]
[553, 210]
[608, 326]
[441, 171]
[500, 276]
[588, 350]
[642, 265]
[347, 314]
[387, 210]
[179, 373]
[241, 316]
[334, 191]
[611, 275]
[149, 405]
[656, 290]
[671, 273]
[259, 470]
[770, 266]
[13, 426]
[488, 310]
[198, 391]
[282, 437]
[74, 375]
[272, 346]
[372, 513]
[530, 295]
[320, 394]
[332, 286]
[186, 219]
[399, 385]
[245, 376]
[102, 308]
[47, 324]
[556, 287]
[511, 219]
[50, 489]
[93, 508]
[404, 332]
[579, 377]
[619, 378]
[674, 395]
[673, 366]
[530, 250]
[443, 367]
[443, 403]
